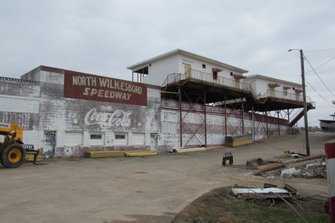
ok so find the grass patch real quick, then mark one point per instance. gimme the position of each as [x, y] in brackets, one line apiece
[219, 205]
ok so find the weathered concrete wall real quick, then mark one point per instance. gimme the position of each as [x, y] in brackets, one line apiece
[19, 102]
[217, 127]
[69, 127]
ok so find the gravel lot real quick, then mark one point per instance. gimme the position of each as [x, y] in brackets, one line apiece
[141, 189]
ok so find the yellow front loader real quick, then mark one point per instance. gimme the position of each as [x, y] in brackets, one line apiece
[12, 149]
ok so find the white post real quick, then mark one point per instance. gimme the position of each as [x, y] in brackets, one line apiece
[330, 158]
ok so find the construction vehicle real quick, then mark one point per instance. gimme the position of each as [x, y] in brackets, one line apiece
[12, 150]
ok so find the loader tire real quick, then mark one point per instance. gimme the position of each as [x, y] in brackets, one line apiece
[13, 156]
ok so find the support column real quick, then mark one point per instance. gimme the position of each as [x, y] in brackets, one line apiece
[242, 118]
[225, 116]
[180, 117]
[278, 123]
[267, 124]
[288, 115]
[205, 117]
[253, 122]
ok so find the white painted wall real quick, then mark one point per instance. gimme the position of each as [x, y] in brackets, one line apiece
[158, 70]
[32, 137]
[51, 77]
[197, 65]
[73, 138]
[261, 88]
[19, 104]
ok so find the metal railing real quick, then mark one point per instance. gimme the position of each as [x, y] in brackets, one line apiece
[284, 95]
[232, 83]
[17, 80]
[206, 77]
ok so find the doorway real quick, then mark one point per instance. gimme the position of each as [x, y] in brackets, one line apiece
[154, 141]
[187, 70]
[49, 144]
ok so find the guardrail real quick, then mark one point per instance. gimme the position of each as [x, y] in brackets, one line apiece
[285, 95]
[18, 80]
[232, 83]
[206, 77]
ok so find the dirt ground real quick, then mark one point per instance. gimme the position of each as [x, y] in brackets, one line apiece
[142, 189]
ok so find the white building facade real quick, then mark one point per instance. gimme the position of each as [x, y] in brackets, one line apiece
[67, 113]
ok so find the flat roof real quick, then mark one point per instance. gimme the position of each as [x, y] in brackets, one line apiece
[259, 76]
[144, 63]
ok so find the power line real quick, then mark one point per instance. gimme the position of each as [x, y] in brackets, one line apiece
[321, 65]
[318, 92]
[323, 50]
[319, 76]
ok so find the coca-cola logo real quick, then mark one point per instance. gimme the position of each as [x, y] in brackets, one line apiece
[108, 119]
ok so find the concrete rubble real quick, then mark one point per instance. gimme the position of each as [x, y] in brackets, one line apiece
[309, 170]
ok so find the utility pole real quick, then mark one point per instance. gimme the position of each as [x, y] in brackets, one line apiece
[304, 100]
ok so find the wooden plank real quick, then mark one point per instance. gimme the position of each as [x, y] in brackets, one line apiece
[191, 150]
[104, 154]
[136, 153]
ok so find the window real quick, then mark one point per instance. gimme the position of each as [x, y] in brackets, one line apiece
[204, 66]
[120, 137]
[96, 136]
[285, 88]
[96, 139]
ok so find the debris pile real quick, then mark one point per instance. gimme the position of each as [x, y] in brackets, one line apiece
[259, 163]
[311, 170]
[295, 155]
[269, 191]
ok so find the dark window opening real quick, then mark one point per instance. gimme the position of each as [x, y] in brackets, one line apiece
[95, 136]
[120, 137]
[216, 71]
[144, 70]
[204, 66]
[215, 75]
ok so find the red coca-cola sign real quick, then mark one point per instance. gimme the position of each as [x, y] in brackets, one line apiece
[99, 88]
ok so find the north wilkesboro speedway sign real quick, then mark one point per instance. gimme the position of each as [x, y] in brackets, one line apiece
[99, 88]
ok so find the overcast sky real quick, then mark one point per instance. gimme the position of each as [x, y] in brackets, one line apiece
[104, 37]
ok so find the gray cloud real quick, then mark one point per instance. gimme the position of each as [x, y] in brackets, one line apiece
[104, 37]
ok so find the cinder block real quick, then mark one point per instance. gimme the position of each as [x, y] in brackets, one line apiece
[103, 154]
